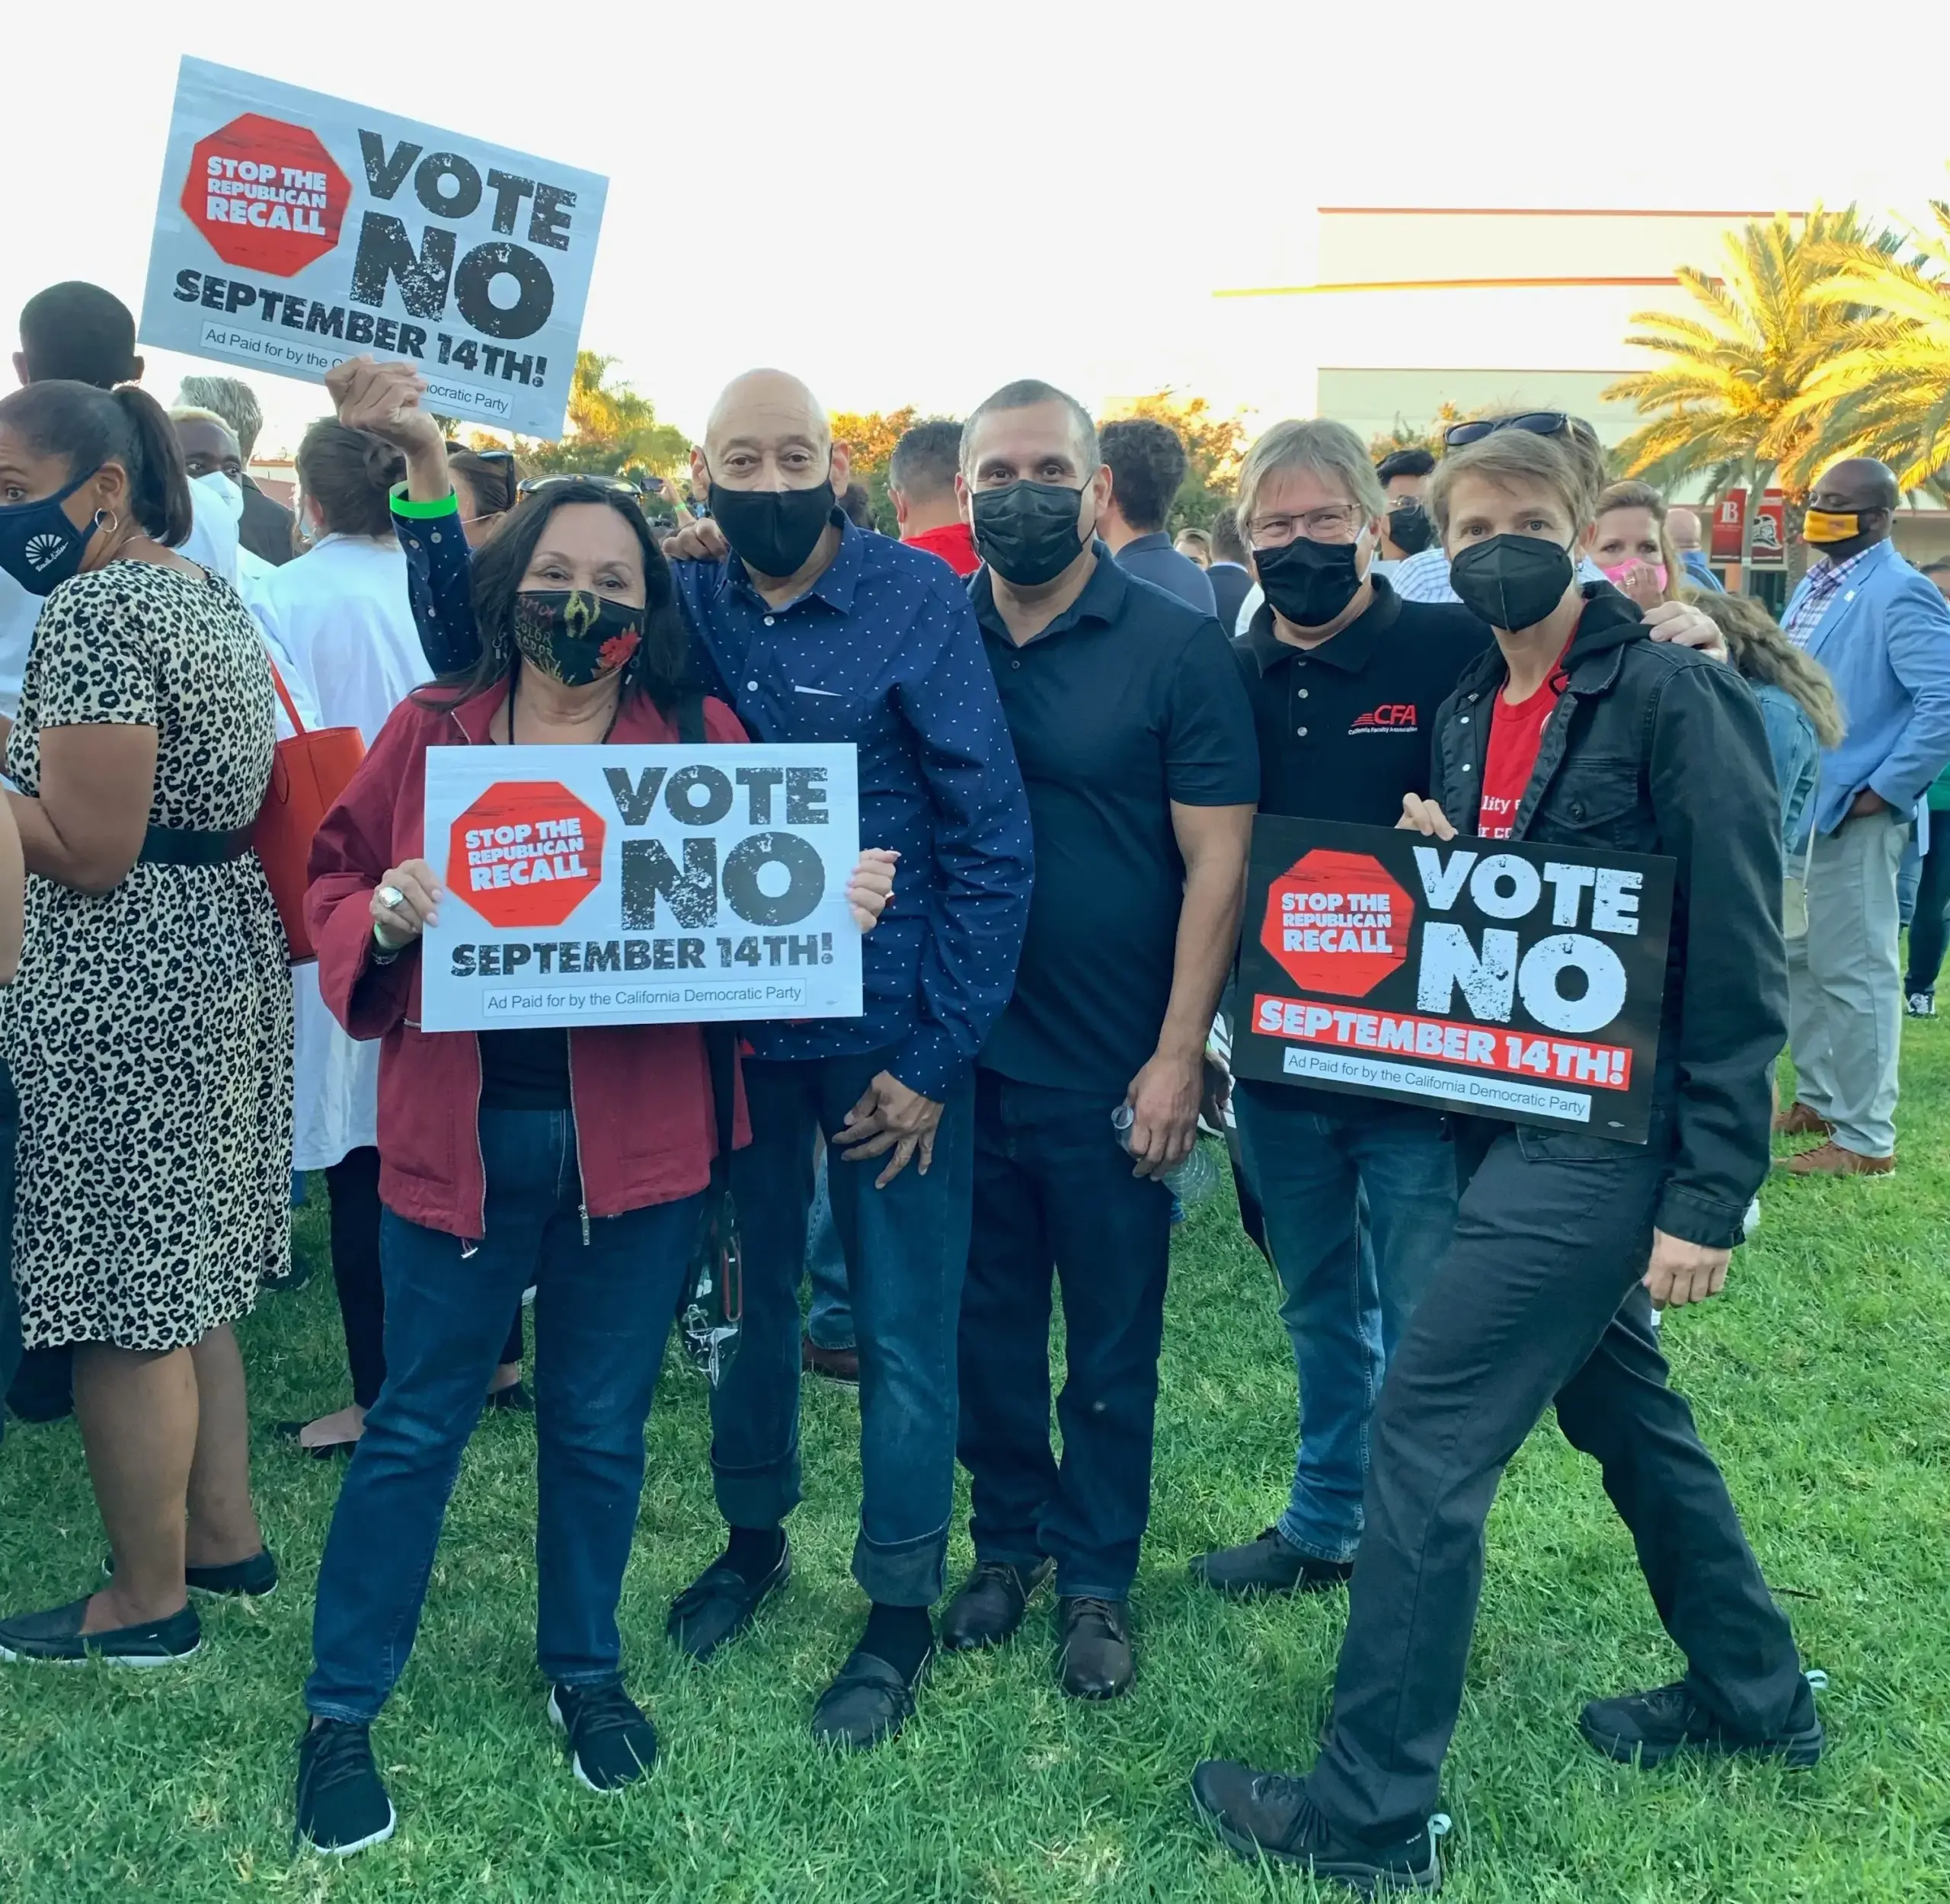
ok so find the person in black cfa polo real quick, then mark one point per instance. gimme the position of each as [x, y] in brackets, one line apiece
[1358, 1193]
[1136, 748]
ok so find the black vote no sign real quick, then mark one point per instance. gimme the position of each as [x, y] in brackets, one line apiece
[1497, 977]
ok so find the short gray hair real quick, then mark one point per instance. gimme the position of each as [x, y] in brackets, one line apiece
[1024, 394]
[1328, 449]
[232, 400]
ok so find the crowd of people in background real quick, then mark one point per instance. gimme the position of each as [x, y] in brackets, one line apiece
[1067, 717]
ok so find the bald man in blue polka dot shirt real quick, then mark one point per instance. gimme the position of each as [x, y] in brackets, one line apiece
[816, 631]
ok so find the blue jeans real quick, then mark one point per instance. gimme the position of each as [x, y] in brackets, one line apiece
[1054, 1195]
[831, 1321]
[1359, 1205]
[907, 1247]
[602, 1310]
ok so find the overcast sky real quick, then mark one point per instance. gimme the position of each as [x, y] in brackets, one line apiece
[916, 202]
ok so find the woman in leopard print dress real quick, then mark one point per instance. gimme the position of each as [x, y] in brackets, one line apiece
[149, 1032]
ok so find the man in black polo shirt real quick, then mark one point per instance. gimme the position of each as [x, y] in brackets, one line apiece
[1359, 1194]
[1136, 747]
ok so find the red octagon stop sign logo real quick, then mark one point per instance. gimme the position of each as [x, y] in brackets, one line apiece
[266, 194]
[1337, 922]
[527, 852]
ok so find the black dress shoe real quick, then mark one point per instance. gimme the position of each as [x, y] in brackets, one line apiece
[869, 1701]
[1267, 1815]
[991, 1604]
[721, 1603]
[56, 1635]
[1096, 1658]
[1271, 1564]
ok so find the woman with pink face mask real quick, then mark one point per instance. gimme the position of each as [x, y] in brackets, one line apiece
[1634, 547]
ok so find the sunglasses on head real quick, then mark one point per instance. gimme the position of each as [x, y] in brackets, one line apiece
[1538, 423]
[623, 485]
[481, 455]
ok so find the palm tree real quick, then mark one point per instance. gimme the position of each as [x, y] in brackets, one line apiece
[1887, 394]
[1726, 402]
[613, 429]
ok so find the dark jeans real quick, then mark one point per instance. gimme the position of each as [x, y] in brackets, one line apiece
[1536, 1303]
[1360, 1202]
[1054, 1193]
[1930, 925]
[354, 1182]
[602, 1310]
[905, 1248]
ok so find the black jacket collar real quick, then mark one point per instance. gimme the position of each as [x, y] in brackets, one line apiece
[1610, 623]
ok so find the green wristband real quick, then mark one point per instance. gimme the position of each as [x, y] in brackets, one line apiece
[404, 505]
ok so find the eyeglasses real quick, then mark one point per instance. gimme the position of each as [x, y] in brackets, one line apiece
[622, 485]
[1334, 523]
[1538, 423]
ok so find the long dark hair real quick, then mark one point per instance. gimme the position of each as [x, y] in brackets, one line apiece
[657, 668]
[88, 427]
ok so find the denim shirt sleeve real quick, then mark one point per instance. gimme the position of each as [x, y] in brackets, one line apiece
[982, 851]
[439, 580]
[1791, 741]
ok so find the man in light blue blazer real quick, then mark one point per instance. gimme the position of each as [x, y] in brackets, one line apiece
[1883, 633]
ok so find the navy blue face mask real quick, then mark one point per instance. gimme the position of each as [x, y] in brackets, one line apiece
[39, 546]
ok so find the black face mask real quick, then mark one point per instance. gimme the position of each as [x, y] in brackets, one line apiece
[773, 530]
[1410, 528]
[1027, 531]
[575, 637]
[1512, 582]
[1307, 582]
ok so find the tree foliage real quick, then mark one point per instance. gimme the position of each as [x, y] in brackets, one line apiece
[1886, 393]
[1215, 446]
[1405, 436]
[1727, 402]
[613, 430]
[870, 436]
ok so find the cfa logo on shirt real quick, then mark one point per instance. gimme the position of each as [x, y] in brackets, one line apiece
[1397, 716]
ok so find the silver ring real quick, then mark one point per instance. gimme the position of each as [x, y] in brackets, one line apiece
[392, 898]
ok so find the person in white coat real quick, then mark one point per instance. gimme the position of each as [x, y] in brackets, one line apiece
[341, 633]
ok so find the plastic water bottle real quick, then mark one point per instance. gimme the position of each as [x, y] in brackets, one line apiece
[1197, 1176]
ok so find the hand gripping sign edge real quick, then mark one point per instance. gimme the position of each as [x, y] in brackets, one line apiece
[266, 194]
[525, 853]
[1337, 923]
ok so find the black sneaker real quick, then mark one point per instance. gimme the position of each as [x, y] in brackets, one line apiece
[1269, 1815]
[342, 1806]
[1646, 1729]
[1921, 1004]
[55, 1636]
[1271, 1564]
[612, 1744]
[253, 1578]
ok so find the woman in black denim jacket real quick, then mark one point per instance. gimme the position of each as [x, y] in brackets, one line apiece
[1576, 730]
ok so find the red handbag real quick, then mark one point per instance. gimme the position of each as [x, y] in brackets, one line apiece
[308, 773]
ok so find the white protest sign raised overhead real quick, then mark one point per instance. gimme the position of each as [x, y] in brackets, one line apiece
[629, 885]
[294, 230]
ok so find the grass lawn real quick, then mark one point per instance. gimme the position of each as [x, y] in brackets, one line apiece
[1819, 1381]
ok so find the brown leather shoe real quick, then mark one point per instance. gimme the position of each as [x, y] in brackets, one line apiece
[1094, 1656]
[836, 1365]
[1833, 1160]
[1799, 1120]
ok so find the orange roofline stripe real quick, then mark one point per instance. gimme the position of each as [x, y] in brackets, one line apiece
[1513, 211]
[1436, 284]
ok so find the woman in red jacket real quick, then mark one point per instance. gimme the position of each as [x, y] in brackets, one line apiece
[573, 1160]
